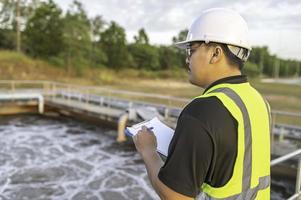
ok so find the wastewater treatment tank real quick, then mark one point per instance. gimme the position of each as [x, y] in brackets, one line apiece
[58, 158]
[43, 158]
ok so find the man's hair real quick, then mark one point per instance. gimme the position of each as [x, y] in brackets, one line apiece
[231, 58]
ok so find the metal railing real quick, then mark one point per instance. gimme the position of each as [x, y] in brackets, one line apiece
[168, 106]
[284, 158]
[50, 88]
[14, 97]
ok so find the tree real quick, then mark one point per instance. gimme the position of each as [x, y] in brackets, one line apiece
[145, 56]
[113, 42]
[180, 54]
[168, 57]
[97, 55]
[181, 36]
[77, 38]
[14, 14]
[8, 39]
[97, 27]
[142, 37]
[251, 69]
[261, 56]
[44, 31]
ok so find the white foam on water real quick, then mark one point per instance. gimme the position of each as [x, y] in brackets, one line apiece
[53, 159]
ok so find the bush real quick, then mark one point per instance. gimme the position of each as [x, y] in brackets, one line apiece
[251, 69]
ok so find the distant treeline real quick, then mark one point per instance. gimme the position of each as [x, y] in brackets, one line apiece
[77, 42]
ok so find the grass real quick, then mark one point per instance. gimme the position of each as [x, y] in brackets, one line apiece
[277, 88]
[18, 66]
[281, 96]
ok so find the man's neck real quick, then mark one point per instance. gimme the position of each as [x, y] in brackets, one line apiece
[221, 75]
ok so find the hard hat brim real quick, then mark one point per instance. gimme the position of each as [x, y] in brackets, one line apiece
[182, 44]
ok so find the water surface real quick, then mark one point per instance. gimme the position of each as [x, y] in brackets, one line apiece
[46, 158]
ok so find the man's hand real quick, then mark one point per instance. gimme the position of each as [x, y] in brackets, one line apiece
[145, 142]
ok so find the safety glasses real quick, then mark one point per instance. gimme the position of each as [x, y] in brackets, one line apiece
[192, 47]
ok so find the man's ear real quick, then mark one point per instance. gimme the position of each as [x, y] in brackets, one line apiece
[216, 54]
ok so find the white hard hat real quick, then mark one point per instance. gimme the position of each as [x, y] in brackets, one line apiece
[219, 25]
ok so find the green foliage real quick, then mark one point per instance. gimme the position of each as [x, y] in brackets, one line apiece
[169, 57]
[44, 33]
[261, 57]
[7, 39]
[270, 65]
[113, 42]
[58, 61]
[142, 37]
[181, 36]
[97, 27]
[180, 54]
[78, 43]
[251, 69]
[77, 39]
[5, 9]
[8, 20]
[8, 12]
[288, 68]
[97, 56]
[150, 57]
[145, 56]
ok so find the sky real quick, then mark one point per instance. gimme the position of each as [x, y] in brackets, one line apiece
[272, 23]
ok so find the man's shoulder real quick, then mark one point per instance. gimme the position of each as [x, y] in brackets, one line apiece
[209, 111]
[203, 105]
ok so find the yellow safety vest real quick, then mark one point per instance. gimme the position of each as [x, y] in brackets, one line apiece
[251, 174]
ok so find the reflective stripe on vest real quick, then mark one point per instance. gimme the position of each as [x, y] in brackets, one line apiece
[263, 182]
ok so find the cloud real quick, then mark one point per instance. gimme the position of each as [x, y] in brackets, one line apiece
[272, 14]
[152, 14]
[164, 19]
[157, 15]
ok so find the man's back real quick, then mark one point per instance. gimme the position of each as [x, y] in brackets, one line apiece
[251, 174]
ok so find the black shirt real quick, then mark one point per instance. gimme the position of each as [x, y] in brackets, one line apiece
[204, 145]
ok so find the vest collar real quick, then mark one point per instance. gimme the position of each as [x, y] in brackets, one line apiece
[231, 79]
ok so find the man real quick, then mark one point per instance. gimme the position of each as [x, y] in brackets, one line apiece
[220, 148]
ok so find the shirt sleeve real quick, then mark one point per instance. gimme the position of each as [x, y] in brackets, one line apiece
[189, 157]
